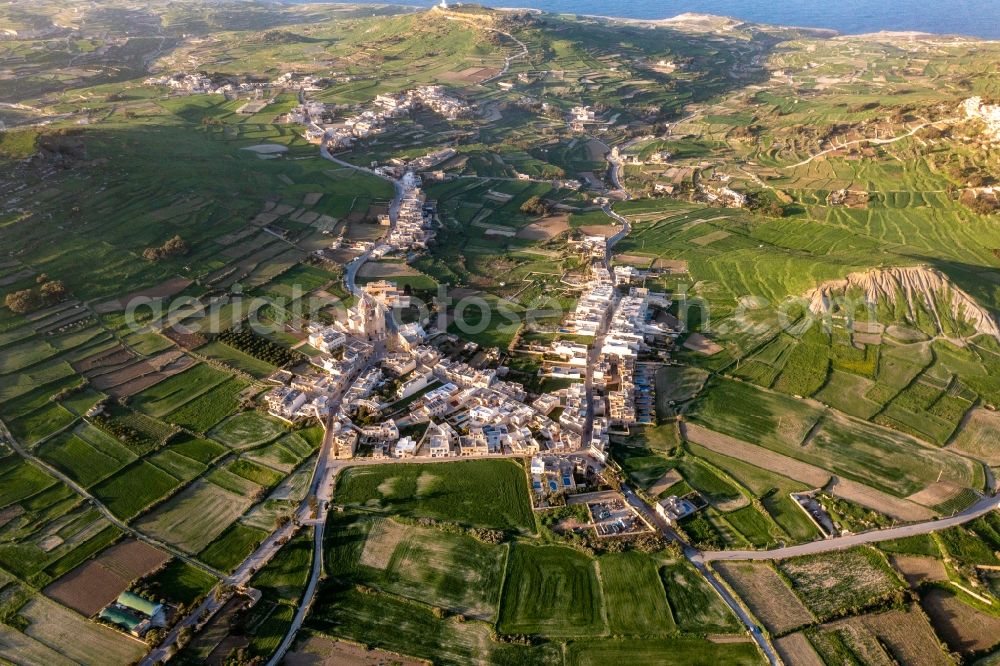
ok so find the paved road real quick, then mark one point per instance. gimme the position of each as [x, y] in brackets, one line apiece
[351, 270]
[692, 554]
[978, 509]
[640, 505]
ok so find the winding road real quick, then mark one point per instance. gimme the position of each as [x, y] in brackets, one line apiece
[877, 142]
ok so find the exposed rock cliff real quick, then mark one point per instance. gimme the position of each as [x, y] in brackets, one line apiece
[914, 288]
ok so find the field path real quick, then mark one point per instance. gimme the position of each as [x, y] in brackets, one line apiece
[105, 511]
[877, 142]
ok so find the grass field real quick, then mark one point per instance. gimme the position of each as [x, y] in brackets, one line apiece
[411, 628]
[551, 590]
[451, 571]
[449, 491]
[232, 547]
[285, 575]
[195, 517]
[210, 407]
[174, 392]
[660, 652]
[884, 459]
[696, 607]
[180, 582]
[634, 599]
[135, 488]
[222, 352]
[247, 430]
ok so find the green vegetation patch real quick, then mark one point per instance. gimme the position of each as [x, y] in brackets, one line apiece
[550, 590]
[843, 582]
[480, 493]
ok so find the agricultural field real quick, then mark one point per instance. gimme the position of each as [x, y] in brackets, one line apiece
[896, 636]
[696, 607]
[819, 211]
[770, 599]
[835, 584]
[451, 571]
[96, 583]
[450, 492]
[195, 517]
[551, 590]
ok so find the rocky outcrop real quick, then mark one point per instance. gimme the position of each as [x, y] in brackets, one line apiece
[976, 109]
[915, 287]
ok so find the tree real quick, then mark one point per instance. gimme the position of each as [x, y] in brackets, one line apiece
[53, 292]
[22, 301]
[535, 206]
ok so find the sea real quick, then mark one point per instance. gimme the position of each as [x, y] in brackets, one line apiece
[978, 18]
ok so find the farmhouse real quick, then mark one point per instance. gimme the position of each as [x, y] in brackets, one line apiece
[673, 508]
[134, 614]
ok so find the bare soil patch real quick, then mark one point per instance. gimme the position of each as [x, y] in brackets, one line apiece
[386, 269]
[936, 493]
[765, 592]
[665, 481]
[322, 651]
[796, 649]
[97, 582]
[114, 356]
[699, 343]
[672, 265]
[710, 238]
[916, 569]
[964, 628]
[606, 230]
[880, 501]
[545, 229]
[138, 376]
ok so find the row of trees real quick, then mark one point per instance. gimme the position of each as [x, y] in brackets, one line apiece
[260, 347]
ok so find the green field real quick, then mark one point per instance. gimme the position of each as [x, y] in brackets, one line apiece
[634, 599]
[451, 492]
[451, 571]
[246, 430]
[173, 393]
[696, 607]
[232, 547]
[551, 590]
[657, 652]
[135, 488]
[179, 582]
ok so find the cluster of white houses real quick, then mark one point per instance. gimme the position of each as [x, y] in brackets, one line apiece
[414, 222]
[199, 83]
[975, 108]
[386, 106]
